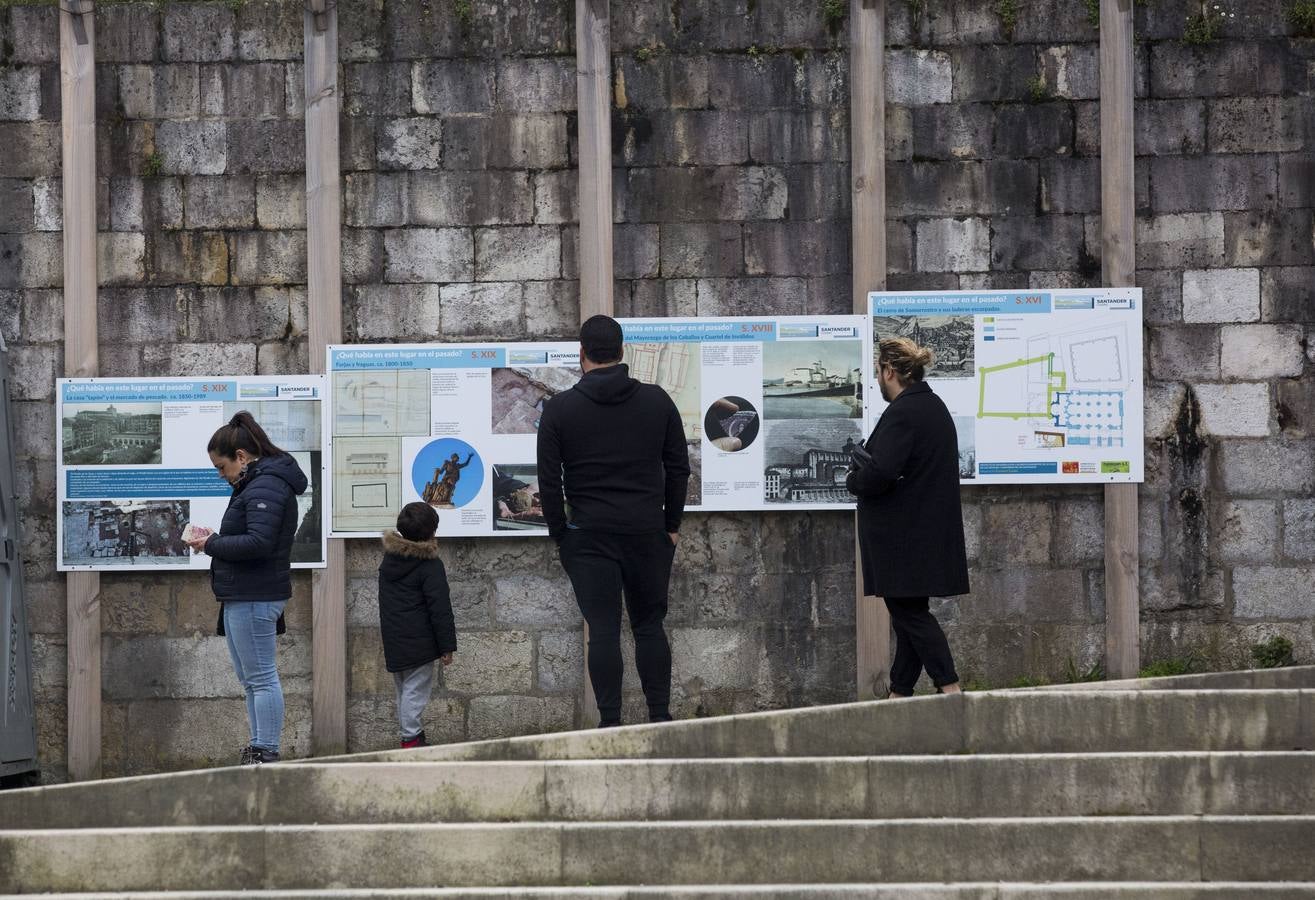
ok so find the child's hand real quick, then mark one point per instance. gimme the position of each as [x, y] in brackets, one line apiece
[446, 659]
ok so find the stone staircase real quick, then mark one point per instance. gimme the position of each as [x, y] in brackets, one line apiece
[1176, 788]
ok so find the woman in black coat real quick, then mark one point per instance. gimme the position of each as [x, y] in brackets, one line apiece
[251, 568]
[910, 522]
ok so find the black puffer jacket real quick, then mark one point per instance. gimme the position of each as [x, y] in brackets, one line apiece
[415, 607]
[251, 555]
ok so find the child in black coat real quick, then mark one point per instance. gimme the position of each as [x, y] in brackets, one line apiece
[415, 614]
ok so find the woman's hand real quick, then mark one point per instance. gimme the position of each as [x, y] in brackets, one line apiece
[198, 545]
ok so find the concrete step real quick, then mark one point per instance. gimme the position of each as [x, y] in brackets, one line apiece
[1141, 890]
[1171, 848]
[883, 787]
[988, 722]
[1290, 677]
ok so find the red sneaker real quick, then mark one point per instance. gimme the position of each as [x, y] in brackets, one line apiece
[417, 741]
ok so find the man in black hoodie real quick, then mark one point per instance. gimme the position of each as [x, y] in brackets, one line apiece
[612, 450]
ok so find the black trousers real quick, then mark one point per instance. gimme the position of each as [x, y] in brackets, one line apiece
[603, 566]
[919, 644]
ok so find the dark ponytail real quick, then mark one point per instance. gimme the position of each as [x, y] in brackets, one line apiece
[242, 433]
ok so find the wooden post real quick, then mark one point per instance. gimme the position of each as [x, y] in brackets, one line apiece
[1118, 263]
[324, 292]
[867, 21]
[77, 70]
[593, 79]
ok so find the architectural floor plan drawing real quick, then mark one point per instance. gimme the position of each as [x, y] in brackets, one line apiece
[675, 368]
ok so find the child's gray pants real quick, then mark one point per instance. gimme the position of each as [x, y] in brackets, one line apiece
[413, 687]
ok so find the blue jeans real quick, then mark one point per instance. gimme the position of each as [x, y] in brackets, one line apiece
[249, 628]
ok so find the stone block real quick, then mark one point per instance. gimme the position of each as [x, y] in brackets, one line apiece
[127, 204]
[198, 32]
[470, 198]
[665, 81]
[498, 662]
[294, 90]
[1295, 404]
[269, 257]
[200, 360]
[952, 131]
[195, 148]
[695, 250]
[1180, 240]
[362, 256]
[16, 205]
[1234, 410]
[1268, 592]
[377, 89]
[1161, 406]
[261, 147]
[281, 202]
[220, 201]
[1221, 295]
[1246, 531]
[995, 72]
[702, 194]
[717, 658]
[559, 664]
[20, 94]
[126, 33]
[1073, 70]
[1299, 529]
[1265, 467]
[452, 87]
[1169, 127]
[634, 253]
[1041, 242]
[953, 245]
[162, 203]
[527, 253]
[1222, 69]
[1079, 537]
[374, 200]
[120, 257]
[183, 257]
[770, 81]
[411, 143]
[32, 149]
[39, 26]
[142, 315]
[234, 314]
[1262, 351]
[270, 31]
[1296, 179]
[511, 716]
[1284, 237]
[552, 310]
[47, 205]
[1257, 125]
[428, 254]
[1041, 129]
[213, 87]
[252, 91]
[536, 84]
[393, 312]
[367, 672]
[961, 188]
[1180, 184]
[686, 137]
[555, 197]
[795, 248]
[1070, 186]
[750, 296]
[1021, 533]
[506, 142]
[491, 308]
[899, 247]
[1162, 295]
[535, 600]
[414, 28]
[918, 77]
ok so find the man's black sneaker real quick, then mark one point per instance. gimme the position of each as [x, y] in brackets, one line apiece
[255, 756]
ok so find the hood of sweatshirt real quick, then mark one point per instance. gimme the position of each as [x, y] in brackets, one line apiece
[608, 386]
[284, 467]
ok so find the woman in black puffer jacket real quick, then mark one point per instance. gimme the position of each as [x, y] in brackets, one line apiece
[251, 568]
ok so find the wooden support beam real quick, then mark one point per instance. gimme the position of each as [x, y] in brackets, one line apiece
[324, 290]
[1118, 264]
[867, 21]
[593, 85]
[77, 70]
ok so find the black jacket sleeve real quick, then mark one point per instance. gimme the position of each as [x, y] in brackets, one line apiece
[265, 500]
[675, 461]
[890, 447]
[549, 460]
[439, 600]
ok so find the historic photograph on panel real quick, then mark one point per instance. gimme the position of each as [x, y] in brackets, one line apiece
[676, 369]
[516, 504]
[807, 460]
[520, 393]
[949, 337]
[290, 424]
[812, 380]
[307, 546]
[966, 426]
[111, 434]
[125, 532]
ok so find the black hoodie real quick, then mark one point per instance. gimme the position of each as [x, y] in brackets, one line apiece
[613, 449]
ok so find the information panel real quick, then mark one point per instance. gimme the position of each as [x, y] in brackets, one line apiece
[1044, 386]
[770, 407]
[133, 471]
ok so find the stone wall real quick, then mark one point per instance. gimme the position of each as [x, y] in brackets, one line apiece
[731, 197]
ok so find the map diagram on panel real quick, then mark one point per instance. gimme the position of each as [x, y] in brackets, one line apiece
[675, 368]
[1071, 385]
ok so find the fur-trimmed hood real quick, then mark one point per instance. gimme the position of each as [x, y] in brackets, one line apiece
[399, 546]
